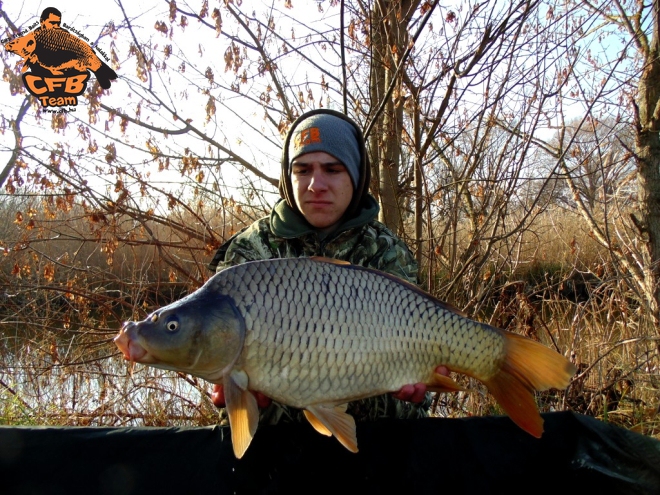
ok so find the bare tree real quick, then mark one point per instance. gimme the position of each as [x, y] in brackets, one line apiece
[472, 133]
[617, 93]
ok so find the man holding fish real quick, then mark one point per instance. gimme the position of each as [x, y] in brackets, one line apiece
[326, 210]
[282, 321]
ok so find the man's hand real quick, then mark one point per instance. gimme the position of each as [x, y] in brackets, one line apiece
[415, 393]
[218, 397]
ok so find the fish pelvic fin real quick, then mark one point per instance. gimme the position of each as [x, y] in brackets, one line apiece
[242, 410]
[329, 420]
[528, 366]
[316, 423]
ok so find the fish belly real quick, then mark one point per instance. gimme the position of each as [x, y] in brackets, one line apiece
[323, 333]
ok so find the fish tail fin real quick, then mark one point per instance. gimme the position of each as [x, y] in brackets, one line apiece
[528, 366]
[104, 75]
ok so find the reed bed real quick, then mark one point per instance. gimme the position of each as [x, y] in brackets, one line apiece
[62, 302]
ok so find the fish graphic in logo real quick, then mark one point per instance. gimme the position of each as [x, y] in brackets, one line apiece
[58, 61]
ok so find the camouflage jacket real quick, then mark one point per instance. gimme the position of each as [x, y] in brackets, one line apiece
[360, 241]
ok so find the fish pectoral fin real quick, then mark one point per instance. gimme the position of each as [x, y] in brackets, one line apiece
[442, 383]
[242, 410]
[329, 420]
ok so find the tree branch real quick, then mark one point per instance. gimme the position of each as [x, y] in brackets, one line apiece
[16, 128]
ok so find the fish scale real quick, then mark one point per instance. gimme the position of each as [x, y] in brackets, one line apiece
[316, 334]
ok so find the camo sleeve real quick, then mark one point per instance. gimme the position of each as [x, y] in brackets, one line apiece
[393, 256]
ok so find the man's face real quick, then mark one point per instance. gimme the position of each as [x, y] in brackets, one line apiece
[322, 188]
[53, 21]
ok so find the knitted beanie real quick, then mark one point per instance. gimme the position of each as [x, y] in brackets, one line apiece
[333, 135]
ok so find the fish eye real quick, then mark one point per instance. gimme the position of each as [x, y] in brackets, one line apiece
[172, 325]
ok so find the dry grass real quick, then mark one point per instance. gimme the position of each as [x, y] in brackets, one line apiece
[62, 303]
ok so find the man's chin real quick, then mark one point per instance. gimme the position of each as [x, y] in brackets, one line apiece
[321, 221]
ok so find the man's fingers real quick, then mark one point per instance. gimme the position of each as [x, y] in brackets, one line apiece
[404, 393]
[262, 400]
[416, 392]
[442, 370]
[218, 396]
[411, 393]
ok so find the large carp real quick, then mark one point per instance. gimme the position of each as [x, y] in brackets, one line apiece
[316, 334]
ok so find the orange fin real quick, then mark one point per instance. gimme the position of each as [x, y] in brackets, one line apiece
[242, 410]
[527, 366]
[318, 426]
[329, 260]
[336, 421]
[442, 383]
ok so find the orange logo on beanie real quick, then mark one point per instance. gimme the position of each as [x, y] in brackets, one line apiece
[307, 136]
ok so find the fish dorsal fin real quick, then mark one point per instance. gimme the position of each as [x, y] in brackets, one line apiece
[334, 420]
[329, 260]
[242, 410]
[441, 383]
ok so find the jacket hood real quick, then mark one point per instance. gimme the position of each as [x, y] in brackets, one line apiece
[361, 192]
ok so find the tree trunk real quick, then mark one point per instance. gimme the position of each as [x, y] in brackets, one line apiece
[419, 181]
[648, 167]
[390, 19]
[390, 212]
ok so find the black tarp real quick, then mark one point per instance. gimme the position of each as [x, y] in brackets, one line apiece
[577, 454]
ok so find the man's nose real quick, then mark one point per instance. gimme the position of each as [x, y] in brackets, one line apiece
[317, 182]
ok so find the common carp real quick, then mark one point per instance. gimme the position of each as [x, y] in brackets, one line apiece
[316, 334]
[57, 50]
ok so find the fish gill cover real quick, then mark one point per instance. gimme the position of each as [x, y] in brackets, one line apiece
[57, 61]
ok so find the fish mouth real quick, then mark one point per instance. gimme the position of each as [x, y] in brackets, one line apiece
[131, 350]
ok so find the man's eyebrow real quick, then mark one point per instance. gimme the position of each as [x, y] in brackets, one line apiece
[323, 164]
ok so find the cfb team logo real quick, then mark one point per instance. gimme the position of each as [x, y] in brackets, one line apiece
[56, 63]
